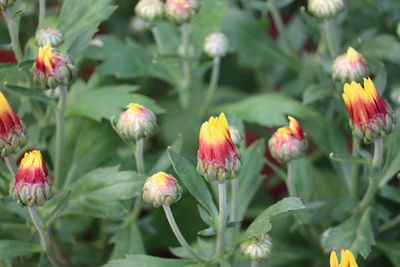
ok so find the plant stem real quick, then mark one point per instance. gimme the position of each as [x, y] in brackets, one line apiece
[213, 84]
[355, 168]
[390, 224]
[185, 64]
[12, 25]
[178, 234]
[157, 39]
[11, 165]
[277, 18]
[42, 13]
[221, 219]
[234, 204]
[330, 42]
[377, 159]
[44, 236]
[140, 168]
[290, 180]
[254, 263]
[62, 101]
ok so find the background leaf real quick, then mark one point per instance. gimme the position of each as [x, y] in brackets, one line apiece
[12, 248]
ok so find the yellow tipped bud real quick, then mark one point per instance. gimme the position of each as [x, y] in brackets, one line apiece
[161, 189]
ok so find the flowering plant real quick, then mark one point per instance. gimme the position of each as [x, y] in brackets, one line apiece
[199, 133]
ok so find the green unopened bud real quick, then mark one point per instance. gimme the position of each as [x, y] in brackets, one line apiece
[216, 45]
[161, 189]
[257, 248]
[4, 4]
[149, 10]
[137, 25]
[49, 36]
[235, 135]
[395, 94]
[325, 8]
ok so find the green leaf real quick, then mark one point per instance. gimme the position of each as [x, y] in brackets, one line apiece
[127, 240]
[391, 250]
[354, 234]
[378, 47]
[262, 223]
[350, 159]
[163, 162]
[79, 20]
[12, 248]
[27, 64]
[31, 93]
[390, 192]
[58, 209]
[146, 261]
[249, 177]
[315, 93]
[193, 182]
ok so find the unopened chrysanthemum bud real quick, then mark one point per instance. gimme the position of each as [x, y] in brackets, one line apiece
[32, 183]
[235, 135]
[371, 117]
[325, 8]
[257, 248]
[49, 36]
[12, 136]
[395, 94]
[53, 68]
[149, 10]
[181, 11]
[349, 67]
[216, 45]
[288, 142]
[346, 259]
[4, 4]
[161, 189]
[217, 157]
[136, 122]
[137, 25]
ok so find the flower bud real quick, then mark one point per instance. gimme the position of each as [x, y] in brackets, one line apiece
[288, 142]
[137, 25]
[136, 122]
[325, 8]
[49, 36]
[181, 11]
[346, 259]
[235, 135]
[4, 4]
[216, 45]
[32, 183]
[161, 189]
[12, 135]
[349, 67]
[257, 248]
[370, 116]
[217, 157]
[149, 10]
[53, 68]
[395, 94]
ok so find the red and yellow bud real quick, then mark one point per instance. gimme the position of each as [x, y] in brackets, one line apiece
[181, 11]
[347, 259]
[32, 183]
[370, 116]
[288, 142]
[161, 189]
[217, 156]
[349, 67]
[136, 122]
[12, 136]
[53, 68]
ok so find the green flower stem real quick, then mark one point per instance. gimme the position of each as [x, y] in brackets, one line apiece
[234, 204]
[355, 168]
[157, 39]
[377, 159]
[12, 25]
[178, 234]
[186, 62]
[390, 224]
[290, 180]
[42, 13]
[62, 101]
[140, 168]
[330, 42]
[254, 263]
[213, 84]
[44, 236]
[276, 17]
[11, 165]
[221, 220]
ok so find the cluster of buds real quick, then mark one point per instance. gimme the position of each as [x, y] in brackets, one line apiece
[32, 183]
[349, 67]
[288, 142]
[12, 136]
[257, 248]
[325, 8]
[181, 11]
[216, 45]
[161, 189]
[149, 10]
[53, 68]
[136, 122]
[218, 158]
[347, 259]
[4, 4]
[370, 116]
[49, 36]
